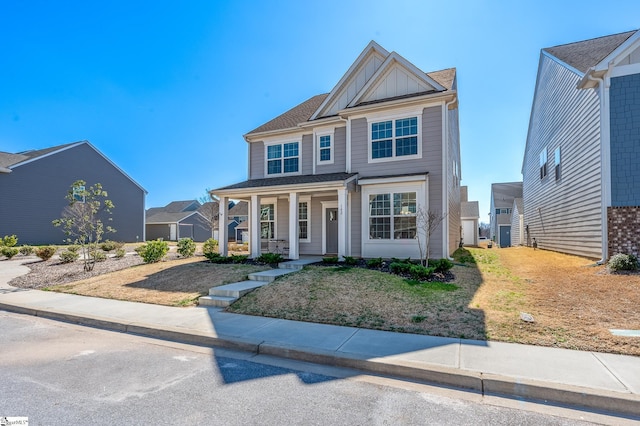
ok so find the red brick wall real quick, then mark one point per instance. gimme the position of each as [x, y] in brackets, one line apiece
[623, 225]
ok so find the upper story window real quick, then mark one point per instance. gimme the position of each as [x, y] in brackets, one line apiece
[503, 211]
[78, 193]
[325, 149]
[556, 155]
[283, 158]
[397, 138]
[543, 163]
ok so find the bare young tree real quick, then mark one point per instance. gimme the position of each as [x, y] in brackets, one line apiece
[82, 219]
[209, 209]
[427, 221]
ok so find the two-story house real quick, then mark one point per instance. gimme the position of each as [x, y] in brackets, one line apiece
[503, 196]
[581, 166]
[349, 172]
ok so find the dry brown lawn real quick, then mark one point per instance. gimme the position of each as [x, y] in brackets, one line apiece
[174, 282]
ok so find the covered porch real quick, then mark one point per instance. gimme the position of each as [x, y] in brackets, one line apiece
[295, 215]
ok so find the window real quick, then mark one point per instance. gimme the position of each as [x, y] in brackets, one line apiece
[78, 193]
[399, 223]
[267, 221]
[283, 158]
[394, 138]
[303, 221]
[556, 156]
[503, 211]
[543, 163]
[325, 149]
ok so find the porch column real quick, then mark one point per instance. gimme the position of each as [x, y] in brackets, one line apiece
[223, 229]
[293, 226]
[343, 217]
[254, 226]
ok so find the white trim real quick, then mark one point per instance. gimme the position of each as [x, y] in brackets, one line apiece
[254, 226]
[285, 189]
[282, 143]
[294, 240]
[348, 146]
[623, 70]
[383, 71]
[397, 179]
[619, 53]
[317, 149]
[305, 199]
[326, 205]
[371, 49]
[377, 118]
[343, 214]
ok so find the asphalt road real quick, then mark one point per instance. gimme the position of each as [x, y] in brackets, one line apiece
[62, 374]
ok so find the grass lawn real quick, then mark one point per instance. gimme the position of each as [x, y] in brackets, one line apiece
[574, 303]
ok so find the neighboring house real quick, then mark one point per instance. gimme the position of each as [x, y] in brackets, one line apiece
[240, 213]
[34, 184]
[517, 224]
[581, 166]
[502, 199]
[178, 219]
[346, 172]
[469, 217]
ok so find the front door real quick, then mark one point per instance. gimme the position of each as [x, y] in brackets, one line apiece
[332, 230]
[505, 236]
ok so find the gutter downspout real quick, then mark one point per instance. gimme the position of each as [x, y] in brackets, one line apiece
[445, 189]
[605, 157]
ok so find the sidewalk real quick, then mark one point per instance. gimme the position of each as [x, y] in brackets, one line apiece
[596, 381]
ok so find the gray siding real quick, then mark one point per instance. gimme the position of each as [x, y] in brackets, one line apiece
[33, 195]
[339, 153]
[453, 183]
[625, 134]
[515, 228]
[563, 215]
[256, 160]
[161, 231]
[306, 151]
[201, 229]
[356, 224]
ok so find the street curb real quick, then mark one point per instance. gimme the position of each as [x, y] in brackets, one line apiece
[616, 403]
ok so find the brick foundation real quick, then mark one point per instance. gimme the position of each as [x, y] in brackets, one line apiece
[623, 226]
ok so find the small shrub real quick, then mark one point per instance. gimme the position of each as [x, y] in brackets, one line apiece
[623, 262]
[69, 256]
[45, 252]
[374, 263]
[98, 256]
[420, 273]
[210, 246]
[186, 247]
[400, 268]
[463, 255]
[270, 258]
[139, 249]
[109, 245]
[350, 260]
[330, 259]
[74, 248]
[236, 258]
[9, 252]
[441, 265]
[26, 250]
[120, 252]
[154, 251]
[9, 241]
[215, 257]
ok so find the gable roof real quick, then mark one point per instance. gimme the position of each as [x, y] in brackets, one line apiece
[503, 194]
[9, 161]
[360, 86]
[182, 206]
[241, 208]
[583, 55]
[154, 217]
[469, 209]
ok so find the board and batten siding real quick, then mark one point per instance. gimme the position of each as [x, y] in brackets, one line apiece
[33, 195]
[563, 215]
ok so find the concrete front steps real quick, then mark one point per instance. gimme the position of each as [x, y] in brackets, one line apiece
[225, 295]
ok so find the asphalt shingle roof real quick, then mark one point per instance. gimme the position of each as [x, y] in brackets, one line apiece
[8, 159]
[289, 180]
[469, 209]
[583, 55]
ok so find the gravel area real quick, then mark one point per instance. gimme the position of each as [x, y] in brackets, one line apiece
[52, 271]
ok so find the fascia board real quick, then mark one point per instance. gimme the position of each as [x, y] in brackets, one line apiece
[619, 53]
[285, 189]
[372, 47]
[431, 98]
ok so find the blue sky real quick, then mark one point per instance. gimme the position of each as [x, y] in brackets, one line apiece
[167, 89]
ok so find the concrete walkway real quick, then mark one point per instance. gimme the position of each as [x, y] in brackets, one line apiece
[596, 381]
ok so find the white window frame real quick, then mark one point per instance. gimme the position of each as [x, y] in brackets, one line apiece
[306, 200]
[282, 143]
[319, 149]
[400, 115]
[78, 197]
[265, 201]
